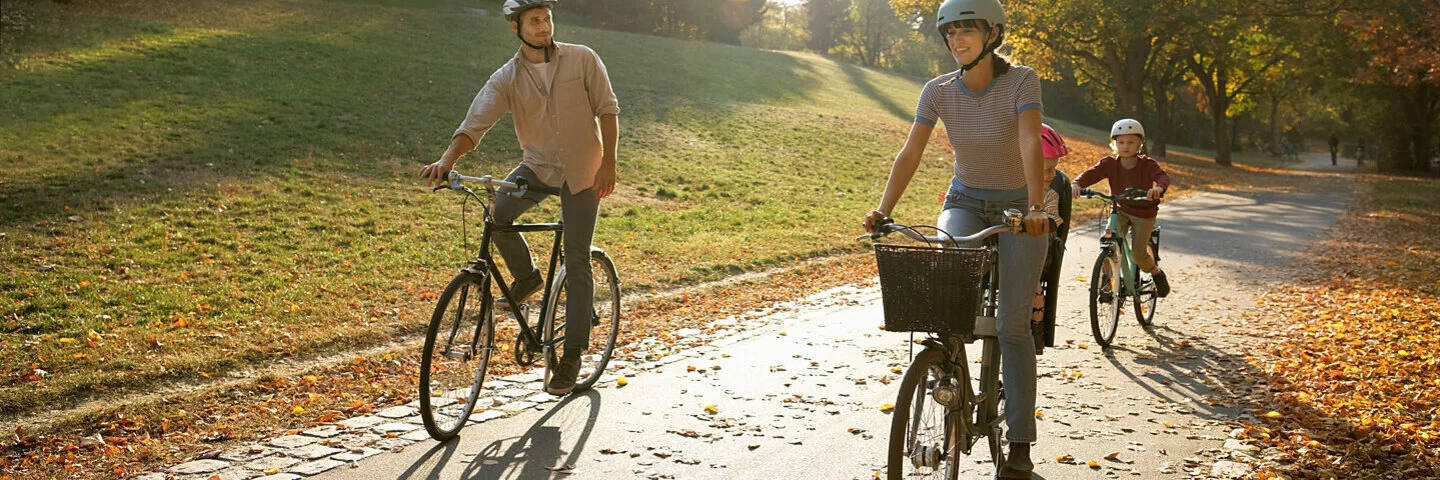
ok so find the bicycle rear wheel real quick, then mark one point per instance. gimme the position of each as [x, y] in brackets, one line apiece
[1145, 300]
[923, 441]
[457, 351]
[1106, 296]
[604, 322]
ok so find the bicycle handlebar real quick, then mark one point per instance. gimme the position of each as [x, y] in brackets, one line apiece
[520, 185]
[1131, 193]
[1014, 222]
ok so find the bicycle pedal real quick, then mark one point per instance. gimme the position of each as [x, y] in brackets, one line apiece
[458, 353]
[1106, 298]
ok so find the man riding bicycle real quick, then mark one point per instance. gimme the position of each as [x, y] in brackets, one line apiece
[566, 118]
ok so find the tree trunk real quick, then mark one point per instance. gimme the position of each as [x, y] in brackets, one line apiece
[1218, 104]
[1161, 96]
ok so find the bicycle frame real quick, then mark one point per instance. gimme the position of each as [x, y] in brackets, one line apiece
[1129, 271]
[484, 262]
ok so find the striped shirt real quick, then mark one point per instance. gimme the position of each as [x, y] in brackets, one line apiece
[983, 128]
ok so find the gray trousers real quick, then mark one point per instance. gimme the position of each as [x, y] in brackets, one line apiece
[577, 212]
[1021, 260]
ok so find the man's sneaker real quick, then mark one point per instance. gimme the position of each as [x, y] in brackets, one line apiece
[522, 289]
[1162, 286]
[562, 378]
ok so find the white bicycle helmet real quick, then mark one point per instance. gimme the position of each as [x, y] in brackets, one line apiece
[1127, 126]
[513, 8]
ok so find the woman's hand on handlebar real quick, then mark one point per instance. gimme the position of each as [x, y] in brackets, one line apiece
[1036, 224]
[872, 218]
[435, 173]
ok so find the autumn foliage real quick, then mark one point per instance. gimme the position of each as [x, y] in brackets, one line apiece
[1357, 376]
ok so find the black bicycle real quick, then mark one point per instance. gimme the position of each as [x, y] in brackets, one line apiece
[460, 341]
[951, 294]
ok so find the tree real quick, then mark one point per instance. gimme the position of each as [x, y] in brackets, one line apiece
[1401, 39]
[825, 17]
[873, 32]
[1230, 48]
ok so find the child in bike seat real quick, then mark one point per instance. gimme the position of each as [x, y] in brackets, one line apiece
[1127, 168]
[1057, 207]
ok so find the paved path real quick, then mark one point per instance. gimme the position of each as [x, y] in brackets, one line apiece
[797, 390]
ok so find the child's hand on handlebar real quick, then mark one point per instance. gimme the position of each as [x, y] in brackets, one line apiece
[1154, 194]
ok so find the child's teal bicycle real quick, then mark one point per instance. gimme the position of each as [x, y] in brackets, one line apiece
[1116, 277]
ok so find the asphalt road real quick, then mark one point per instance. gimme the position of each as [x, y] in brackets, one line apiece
[797, 393]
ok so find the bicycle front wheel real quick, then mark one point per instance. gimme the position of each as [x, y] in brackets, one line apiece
[604, 319]
[1106, 297]
[457, 351]
[923, 441]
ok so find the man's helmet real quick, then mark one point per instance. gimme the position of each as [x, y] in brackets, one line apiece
[513, 8]
[1051, 143]
[1127, 126]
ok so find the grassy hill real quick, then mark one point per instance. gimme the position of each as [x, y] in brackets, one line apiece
[211, 184]
[193, 188]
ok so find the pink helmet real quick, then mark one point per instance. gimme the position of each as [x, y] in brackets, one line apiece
[1051, 143]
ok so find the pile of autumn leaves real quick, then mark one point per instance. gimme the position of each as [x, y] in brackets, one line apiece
[1356, 373]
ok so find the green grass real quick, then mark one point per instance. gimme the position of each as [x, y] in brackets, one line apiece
[208, 186]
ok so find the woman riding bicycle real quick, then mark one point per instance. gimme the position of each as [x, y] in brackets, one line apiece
[991, 111]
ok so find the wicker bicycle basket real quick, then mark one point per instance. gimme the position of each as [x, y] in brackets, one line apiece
[930, 289]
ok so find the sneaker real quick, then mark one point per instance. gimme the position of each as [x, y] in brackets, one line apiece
[1162, 286]
[562, 378]
[522, 289]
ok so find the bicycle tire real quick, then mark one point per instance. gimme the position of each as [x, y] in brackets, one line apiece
[451, 374]
[1145, 302]
[604, 327]
[912, 406]
[1105, 290]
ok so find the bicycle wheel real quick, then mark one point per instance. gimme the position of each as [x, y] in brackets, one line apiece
[922, 436]
[604, 322]
[1106, 297]
[990, 411]
[1145, 300]
[457, 351]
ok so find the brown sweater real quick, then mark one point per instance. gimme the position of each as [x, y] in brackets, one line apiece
[1145, 175]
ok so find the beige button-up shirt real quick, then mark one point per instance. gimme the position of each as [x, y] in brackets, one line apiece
[556, 115]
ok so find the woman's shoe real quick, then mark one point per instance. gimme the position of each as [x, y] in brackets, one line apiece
[1017, 465]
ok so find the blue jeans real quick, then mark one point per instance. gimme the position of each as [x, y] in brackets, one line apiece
[1021, 260]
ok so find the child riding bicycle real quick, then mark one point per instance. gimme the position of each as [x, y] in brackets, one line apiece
[1127, 168]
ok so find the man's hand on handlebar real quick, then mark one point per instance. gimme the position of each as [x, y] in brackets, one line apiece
[435, 174]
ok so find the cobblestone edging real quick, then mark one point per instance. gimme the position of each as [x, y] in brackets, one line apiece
[332, 445]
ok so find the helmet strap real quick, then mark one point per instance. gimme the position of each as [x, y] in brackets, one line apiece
[546, 48]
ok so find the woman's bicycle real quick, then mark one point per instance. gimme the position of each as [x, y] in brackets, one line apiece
[460, 341]
[1116, 277]
[950, 294]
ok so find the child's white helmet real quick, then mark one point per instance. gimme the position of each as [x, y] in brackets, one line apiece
[1127, 126]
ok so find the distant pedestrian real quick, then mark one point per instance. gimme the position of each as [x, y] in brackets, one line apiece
[1334, 148]
[1360, 152]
